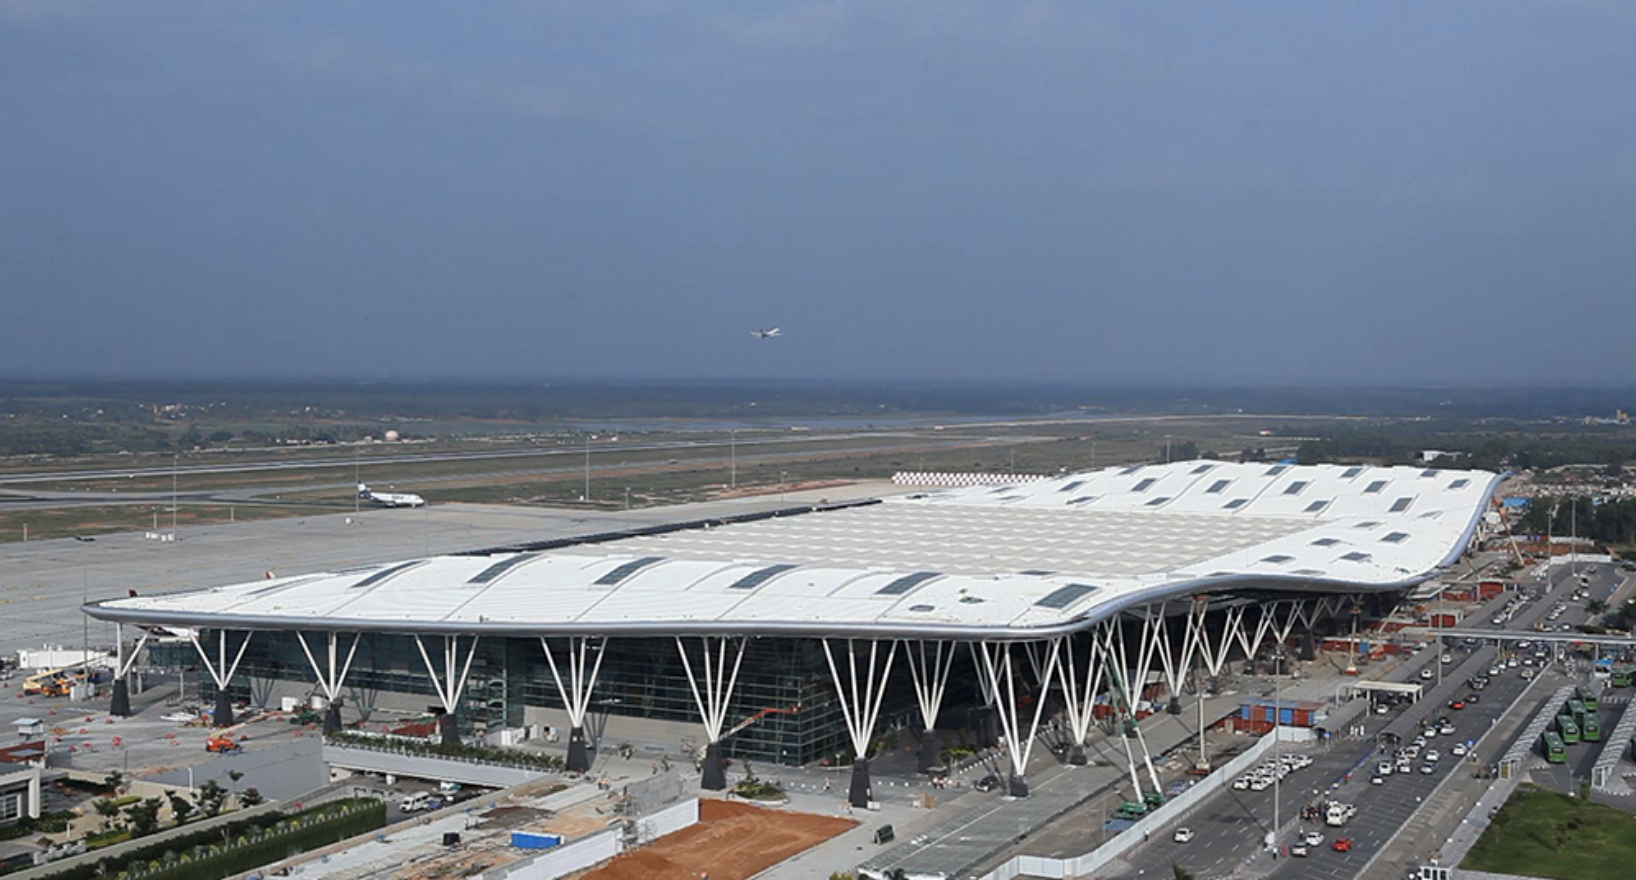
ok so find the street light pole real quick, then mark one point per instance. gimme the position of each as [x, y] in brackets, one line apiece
[732, 482]
[587, 497]
[175, 464]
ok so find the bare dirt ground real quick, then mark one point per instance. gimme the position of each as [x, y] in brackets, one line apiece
[732, 841]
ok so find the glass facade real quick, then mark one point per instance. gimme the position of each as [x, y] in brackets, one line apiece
[641, 678]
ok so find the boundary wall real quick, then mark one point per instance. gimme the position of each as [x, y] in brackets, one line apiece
[599, 847]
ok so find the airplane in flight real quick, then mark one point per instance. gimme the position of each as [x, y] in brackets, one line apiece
[390, 499]
[766, 334]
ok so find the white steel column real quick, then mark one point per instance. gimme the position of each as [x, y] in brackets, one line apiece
[930, 676]
[1167, 661]
[120, 703]
[221, 673]
[1267, 617]
[1215, 655]
[1134, 682]
[331, 680]
[576, 694]
[984, 683]
[453, 684]
[713, 700]
[1019, 743]
[1081, 701]
[861, 707]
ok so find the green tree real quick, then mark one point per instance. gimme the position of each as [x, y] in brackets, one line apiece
[113, 781]
[106, 808]
[180, 807]
[1596, 606]
[1180, 874]
[211, 797]
[144, 816]
[250, 797]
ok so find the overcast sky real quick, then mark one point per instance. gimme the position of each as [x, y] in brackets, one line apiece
[1212, 192]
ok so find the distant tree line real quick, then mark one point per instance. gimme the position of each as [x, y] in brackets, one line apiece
[1611, 522]
[1492, 452]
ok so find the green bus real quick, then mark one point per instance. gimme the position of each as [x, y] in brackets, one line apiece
[1555, 752]
[1590, 727]
[1568, 729]
[1588, 697]
[1621, 676]
[1577, 710]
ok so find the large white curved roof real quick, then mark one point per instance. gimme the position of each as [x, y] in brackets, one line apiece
[1025, 560]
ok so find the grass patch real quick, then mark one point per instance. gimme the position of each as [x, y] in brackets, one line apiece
[67, 522]
[1545, 834]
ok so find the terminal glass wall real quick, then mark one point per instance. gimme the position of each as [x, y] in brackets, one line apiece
[639, 678]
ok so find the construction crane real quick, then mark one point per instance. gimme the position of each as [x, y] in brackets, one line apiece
[1512, 539]
[760, 715]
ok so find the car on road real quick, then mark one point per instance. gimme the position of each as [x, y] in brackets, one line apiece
[987, 783]
[1342, 844]
[1446, 728]
[1377, 779]
[1313, 838]
[1459, 750]
[1457, 704]
[1427, 769]
[1183, 835]
[1433, 756]
[1242, 783]
[1471, 698]
[1384, 768]
[1427, 675]
[1299, 850]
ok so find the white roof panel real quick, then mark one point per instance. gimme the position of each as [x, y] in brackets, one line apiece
[1037, 556]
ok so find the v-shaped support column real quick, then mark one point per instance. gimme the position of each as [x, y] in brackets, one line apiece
[931, 677]
[1019, 742]
[860, 706]
[120, 705]
[713, 698]
[1080, 692]
[452, 684]
[331, 678]
[221, 673]
[576, 691]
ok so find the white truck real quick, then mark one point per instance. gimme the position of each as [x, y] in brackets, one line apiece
[1338, 814]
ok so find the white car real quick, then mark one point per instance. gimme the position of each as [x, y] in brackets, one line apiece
[1446, 730]
[1183, 835]
[1313, 838]
[1427, 769]
[1459, 750]
[1427, 675]
[1384, 768]
[1433, 756]
[1242, 783]
[1377, 779]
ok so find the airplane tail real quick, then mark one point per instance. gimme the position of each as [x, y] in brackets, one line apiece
[363, 490]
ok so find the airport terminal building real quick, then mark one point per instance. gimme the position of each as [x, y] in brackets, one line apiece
[981, 607]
